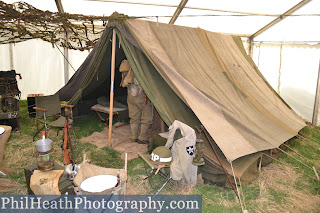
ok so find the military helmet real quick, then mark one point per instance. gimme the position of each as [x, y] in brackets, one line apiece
[161, 155]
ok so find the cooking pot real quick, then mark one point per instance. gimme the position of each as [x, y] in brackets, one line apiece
[44, 145]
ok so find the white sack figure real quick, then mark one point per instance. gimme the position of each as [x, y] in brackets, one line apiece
[182, 153]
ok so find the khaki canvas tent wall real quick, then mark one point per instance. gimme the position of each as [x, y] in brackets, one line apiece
[196, 77]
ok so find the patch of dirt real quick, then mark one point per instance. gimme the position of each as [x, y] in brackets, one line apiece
[120, 141]
[121, 138]
[7, 185]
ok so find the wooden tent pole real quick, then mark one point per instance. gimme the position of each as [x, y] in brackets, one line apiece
[113, 57]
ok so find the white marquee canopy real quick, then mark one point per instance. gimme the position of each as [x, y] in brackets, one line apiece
[285, 40]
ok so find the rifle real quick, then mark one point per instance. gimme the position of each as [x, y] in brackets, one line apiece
[66, 138]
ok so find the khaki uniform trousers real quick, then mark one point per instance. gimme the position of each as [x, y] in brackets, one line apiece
[140, 115]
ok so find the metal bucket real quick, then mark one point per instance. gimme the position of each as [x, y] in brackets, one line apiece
[71, 171]
[44, 145]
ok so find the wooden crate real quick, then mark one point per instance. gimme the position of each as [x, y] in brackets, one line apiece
[65, 185]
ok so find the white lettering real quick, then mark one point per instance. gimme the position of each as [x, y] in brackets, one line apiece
[60, 203]
[119, 207]
[96, 206]
[33, 202]
[152, 202]
[78, 201]
[14, 204]
[142, 207]
[27, 203]
[154, 157]
[21, 203]
[160, 203]
[134, 204]
[110, 202]
[4, 203]
[54, 205]
[175, 204]
[182, 204]
[126, 204]
[103, 203]
[45, 204]
[190, 203]
[67, 202]
[87, 202]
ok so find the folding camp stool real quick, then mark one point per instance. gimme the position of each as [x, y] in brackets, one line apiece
[101, 109]
[154, 168]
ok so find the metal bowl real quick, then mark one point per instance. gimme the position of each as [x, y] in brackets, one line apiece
[98, 185]
[44, 145]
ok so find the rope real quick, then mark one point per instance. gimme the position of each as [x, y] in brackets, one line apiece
[294, 158]
[65, 58]
[244, 203]
[305, 139]
[289, 166]
[314, 128]
[235, 181]
[310, 138]
[298, 154]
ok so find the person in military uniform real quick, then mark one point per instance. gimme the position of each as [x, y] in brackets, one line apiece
[140, 108]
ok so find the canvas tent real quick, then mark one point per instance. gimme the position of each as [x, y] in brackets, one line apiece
[196, 77]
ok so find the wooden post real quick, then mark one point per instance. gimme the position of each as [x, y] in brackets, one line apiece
[126, 161]
[113, 57]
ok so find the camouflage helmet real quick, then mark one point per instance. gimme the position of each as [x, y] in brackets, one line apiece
[161, 155]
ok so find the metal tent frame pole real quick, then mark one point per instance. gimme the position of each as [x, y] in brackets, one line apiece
[277, 20]
[316, 101]
[66, 51]
[178, 11]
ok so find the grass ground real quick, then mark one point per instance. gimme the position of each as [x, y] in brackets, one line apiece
[280, 186]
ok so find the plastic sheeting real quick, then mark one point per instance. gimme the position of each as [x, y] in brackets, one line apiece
[292, 70]
[40, 65]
